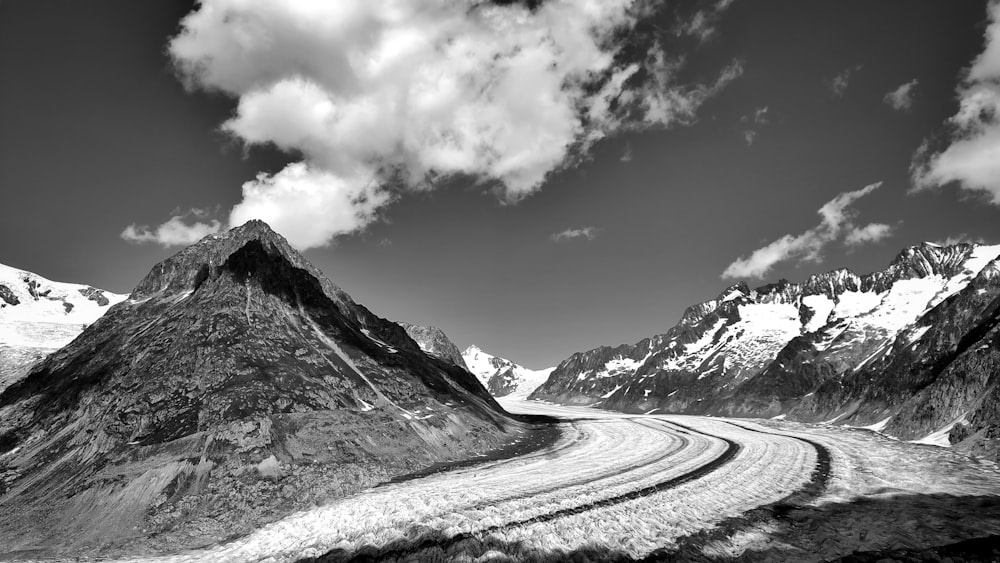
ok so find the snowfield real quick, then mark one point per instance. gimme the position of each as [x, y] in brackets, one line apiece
[619, 486]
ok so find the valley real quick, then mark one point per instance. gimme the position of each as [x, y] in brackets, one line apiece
[628, 487]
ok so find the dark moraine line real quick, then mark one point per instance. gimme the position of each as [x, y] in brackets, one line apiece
[818, 479]
[690, 547]
[539, 442]
[732, 448]
[685, 442]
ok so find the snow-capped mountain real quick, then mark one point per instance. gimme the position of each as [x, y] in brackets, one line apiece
[818, 350]
[39, 316]
[434, 341]
[232, 364]
[503, 377]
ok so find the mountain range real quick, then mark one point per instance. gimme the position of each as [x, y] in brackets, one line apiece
[234, 385]
[912, 350]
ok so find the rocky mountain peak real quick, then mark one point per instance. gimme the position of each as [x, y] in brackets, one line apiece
[189, 268]
[434, 341]
[926, 259]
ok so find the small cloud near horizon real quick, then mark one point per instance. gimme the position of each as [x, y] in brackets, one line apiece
[836, 223]
[177, 231]
[588, 233]
[960, 238]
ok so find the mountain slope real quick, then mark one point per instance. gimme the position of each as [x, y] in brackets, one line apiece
[435, 342]
[39, 316]
[503, 377]
[235, 384]
[858, 349]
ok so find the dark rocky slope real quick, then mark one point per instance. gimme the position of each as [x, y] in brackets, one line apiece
[235, 385]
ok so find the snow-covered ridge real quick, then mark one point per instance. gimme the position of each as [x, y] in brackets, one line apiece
[38, 312]
[503, 377]
[721, 343]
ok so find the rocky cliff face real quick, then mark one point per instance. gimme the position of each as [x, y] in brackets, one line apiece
[235, 384]
[39, 316]
[910, 345]
[503, 377]
[435, 342]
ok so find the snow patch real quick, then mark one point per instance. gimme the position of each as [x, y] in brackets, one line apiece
[878, 426]
[821, 307]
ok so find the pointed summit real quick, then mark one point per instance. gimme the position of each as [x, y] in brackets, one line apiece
[184, 270]
[232, 352]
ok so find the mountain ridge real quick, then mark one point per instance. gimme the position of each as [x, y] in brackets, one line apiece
[768, 351]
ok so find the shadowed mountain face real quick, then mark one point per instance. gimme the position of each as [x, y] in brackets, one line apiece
[237, 382]
[913, 348]
[435, 342]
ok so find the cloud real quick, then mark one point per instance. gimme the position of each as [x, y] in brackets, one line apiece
[836, 218]
[838, 84]
[959, 239]
[176, 231]
[626, 154]
[872, 232]
[755, 120]
[901, 99]
[702, 24]
[971, 158]
[589, 233]
[410, 93]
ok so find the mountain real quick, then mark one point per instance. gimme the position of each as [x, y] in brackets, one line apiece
[503, 377]
[39, 316]
[236, 384]
[911, 349]
[435, 342]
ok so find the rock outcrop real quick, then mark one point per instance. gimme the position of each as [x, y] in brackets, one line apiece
[435, 342]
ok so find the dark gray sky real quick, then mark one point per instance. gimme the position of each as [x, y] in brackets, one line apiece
[97, 133]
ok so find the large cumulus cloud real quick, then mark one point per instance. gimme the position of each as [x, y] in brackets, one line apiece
[419, 90]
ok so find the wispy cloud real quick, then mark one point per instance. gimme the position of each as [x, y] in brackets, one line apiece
[836, 222]
[702, 25]
[839, 83]
[971, 158]
[960, 238]
[588, 233]
[626, 154]
[407, 93]
[872, 232]
[753, 123]
[901, 99]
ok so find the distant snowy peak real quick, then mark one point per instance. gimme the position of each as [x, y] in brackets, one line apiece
[39, 316]
[503, 377]
[27, 299]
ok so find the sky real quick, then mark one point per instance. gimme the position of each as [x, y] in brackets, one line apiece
[537, 179]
